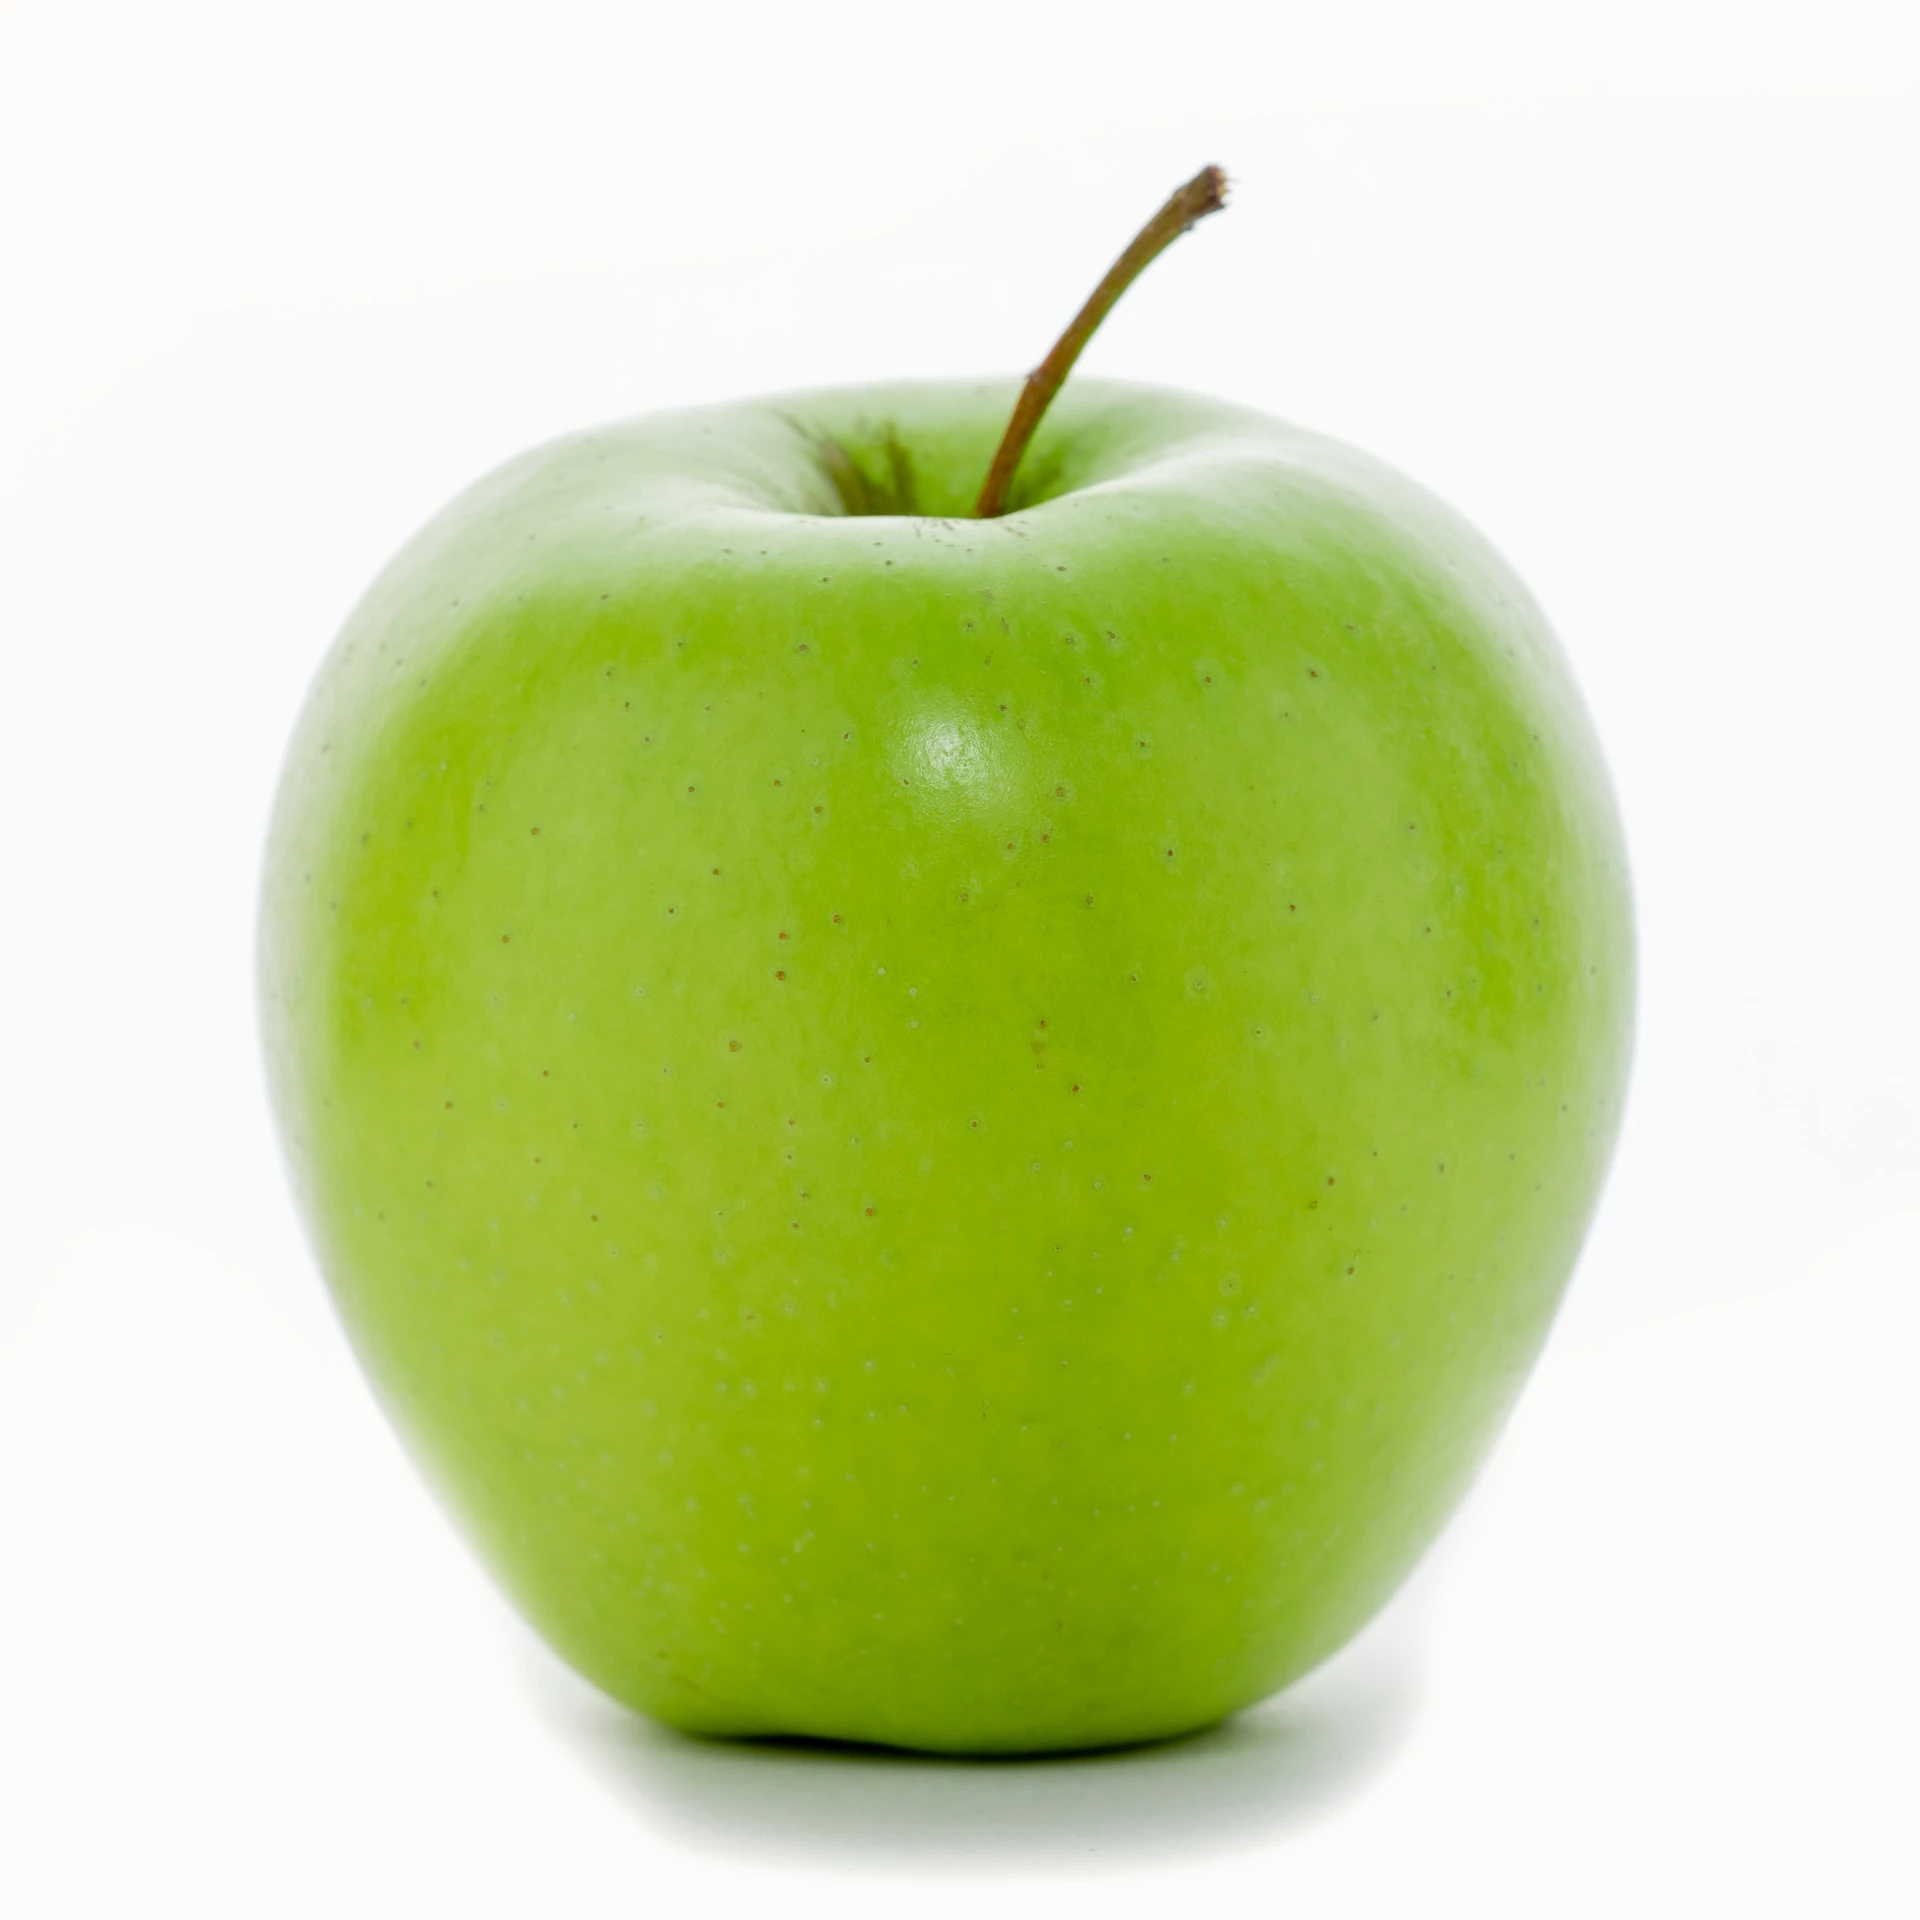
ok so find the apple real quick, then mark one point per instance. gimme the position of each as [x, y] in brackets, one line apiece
[947, 1131]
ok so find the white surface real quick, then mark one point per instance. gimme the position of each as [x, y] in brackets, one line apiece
[1665, 1667]
[1662, 353]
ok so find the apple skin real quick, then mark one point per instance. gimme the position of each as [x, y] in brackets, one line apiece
[942, 1132]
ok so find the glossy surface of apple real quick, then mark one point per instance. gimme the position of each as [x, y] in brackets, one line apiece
[946, 1132]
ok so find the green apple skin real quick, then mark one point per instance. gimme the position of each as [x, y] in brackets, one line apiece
[942, 1132]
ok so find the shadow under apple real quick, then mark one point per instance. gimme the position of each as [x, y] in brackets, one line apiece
[1275, 1769]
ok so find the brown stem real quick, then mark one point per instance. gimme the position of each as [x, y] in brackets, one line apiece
[1205, 193]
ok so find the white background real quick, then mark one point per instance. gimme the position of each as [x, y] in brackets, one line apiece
[1635, 285]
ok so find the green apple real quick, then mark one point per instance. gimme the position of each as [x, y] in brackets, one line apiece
[944, 1131]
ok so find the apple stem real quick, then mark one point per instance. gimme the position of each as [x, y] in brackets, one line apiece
[1205, 193]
